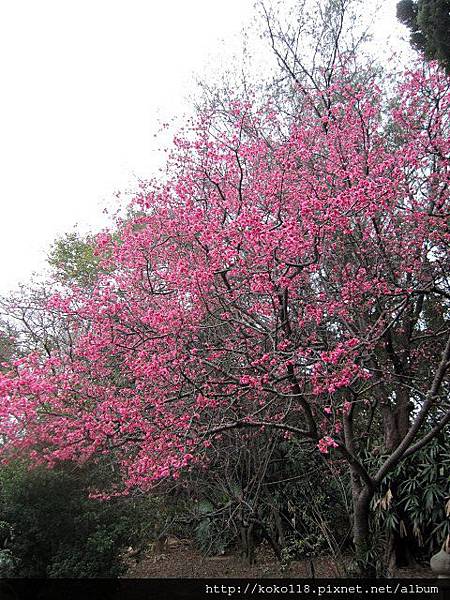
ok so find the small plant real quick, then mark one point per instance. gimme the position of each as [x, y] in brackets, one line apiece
[306, 547]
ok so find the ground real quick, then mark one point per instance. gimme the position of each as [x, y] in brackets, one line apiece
[181, 559]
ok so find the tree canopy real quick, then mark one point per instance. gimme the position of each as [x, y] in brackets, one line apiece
[291, 282]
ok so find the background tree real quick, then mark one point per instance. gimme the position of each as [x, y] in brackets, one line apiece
[72, 259]
[429, 22]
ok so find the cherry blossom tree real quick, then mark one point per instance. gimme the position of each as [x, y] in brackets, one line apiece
[293, 283]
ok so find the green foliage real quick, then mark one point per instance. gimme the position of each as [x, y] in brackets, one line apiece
[7, 563]
[7, 346]
[414, 501]
[51, 528]
[429, 22]
[210, 535]
[306, 546]
[74, 260]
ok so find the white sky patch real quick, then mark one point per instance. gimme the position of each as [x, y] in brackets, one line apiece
[85, 86]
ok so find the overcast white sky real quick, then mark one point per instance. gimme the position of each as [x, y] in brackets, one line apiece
[85, 85]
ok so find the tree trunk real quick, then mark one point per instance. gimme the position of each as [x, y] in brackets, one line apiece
[396, 426]
[362, 494]
[361, 537]
[248, 543]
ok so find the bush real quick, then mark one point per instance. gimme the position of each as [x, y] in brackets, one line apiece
[49, 527]
[412, 506]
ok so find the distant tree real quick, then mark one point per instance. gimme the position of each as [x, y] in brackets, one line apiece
[429, 22]
[6, 343]
[26, 324]
[72, 259]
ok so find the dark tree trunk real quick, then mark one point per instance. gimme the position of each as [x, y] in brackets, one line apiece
[362, 494]
[396, 426]
[248, 543]
[361, 532]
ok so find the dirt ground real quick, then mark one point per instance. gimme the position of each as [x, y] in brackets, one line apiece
[180, 559]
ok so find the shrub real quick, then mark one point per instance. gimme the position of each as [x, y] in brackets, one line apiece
[51, 528]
